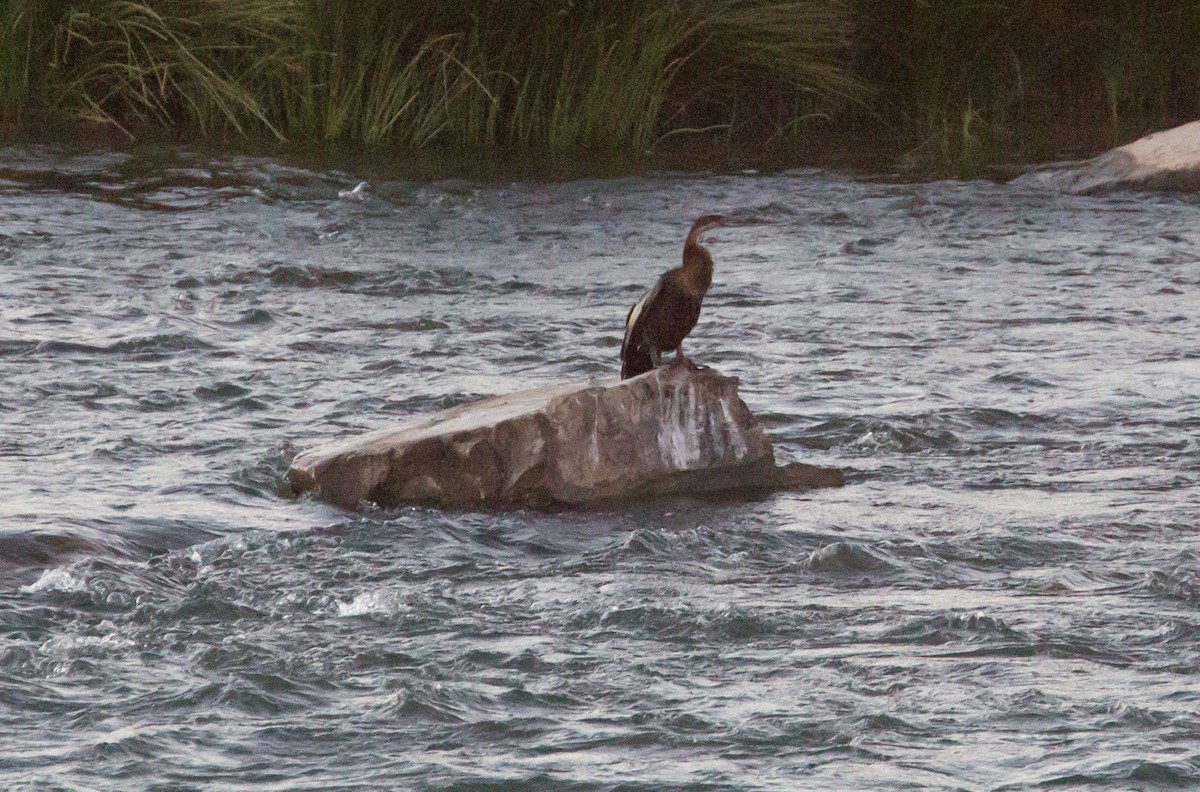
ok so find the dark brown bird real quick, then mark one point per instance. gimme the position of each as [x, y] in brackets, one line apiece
[667, 313]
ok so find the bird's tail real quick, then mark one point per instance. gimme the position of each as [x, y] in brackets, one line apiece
[635, 359]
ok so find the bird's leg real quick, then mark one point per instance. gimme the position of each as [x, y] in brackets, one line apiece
[655, 355]
[682, 359]
[686, 361]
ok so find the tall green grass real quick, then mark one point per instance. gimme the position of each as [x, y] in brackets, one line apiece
[579, 80]
[15, 42]
[133, 65]
[959, 82]
[370, 79]
[952, 85]
[562, 74]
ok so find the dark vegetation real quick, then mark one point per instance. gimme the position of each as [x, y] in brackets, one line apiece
[934, 85]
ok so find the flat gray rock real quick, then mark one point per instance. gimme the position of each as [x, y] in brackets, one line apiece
[672, 430]
[1164, 161]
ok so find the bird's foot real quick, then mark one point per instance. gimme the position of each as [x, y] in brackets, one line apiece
[686, 362]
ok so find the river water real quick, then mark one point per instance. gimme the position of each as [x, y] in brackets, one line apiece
[1005, 595]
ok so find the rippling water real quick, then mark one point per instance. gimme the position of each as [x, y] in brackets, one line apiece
[1006, 595]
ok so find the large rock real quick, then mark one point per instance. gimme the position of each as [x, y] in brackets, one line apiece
[1167, 160]
[672, 430]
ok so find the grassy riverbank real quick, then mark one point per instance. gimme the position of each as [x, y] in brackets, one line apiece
[939, 85]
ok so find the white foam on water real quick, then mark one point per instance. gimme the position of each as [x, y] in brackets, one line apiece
[378, 601]
[57, 579]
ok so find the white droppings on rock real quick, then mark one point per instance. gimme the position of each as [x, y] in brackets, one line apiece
[678, 434]
[737, 440]
[595, 438]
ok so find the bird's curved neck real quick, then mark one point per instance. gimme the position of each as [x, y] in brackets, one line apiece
[697, 265]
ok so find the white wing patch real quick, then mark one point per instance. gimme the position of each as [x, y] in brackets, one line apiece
[636, 311]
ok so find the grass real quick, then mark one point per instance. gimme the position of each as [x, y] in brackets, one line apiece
[1031, 79]
[128, 65]
[14, 58]
[955, 85]
[561, 74]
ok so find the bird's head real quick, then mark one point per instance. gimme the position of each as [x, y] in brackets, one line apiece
[704, 223]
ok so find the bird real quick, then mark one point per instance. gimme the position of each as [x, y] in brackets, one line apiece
[665, 314]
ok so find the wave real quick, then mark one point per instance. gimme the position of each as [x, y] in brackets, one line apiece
[941, 430]
[956, 628]
[1180, 582]
[1117, 774]
[150, 347]
[38, 549]
[902, 434]
[686, 624]
[846, 557]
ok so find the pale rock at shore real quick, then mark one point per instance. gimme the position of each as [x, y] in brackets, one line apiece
[670, 431]
[1167, 161]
